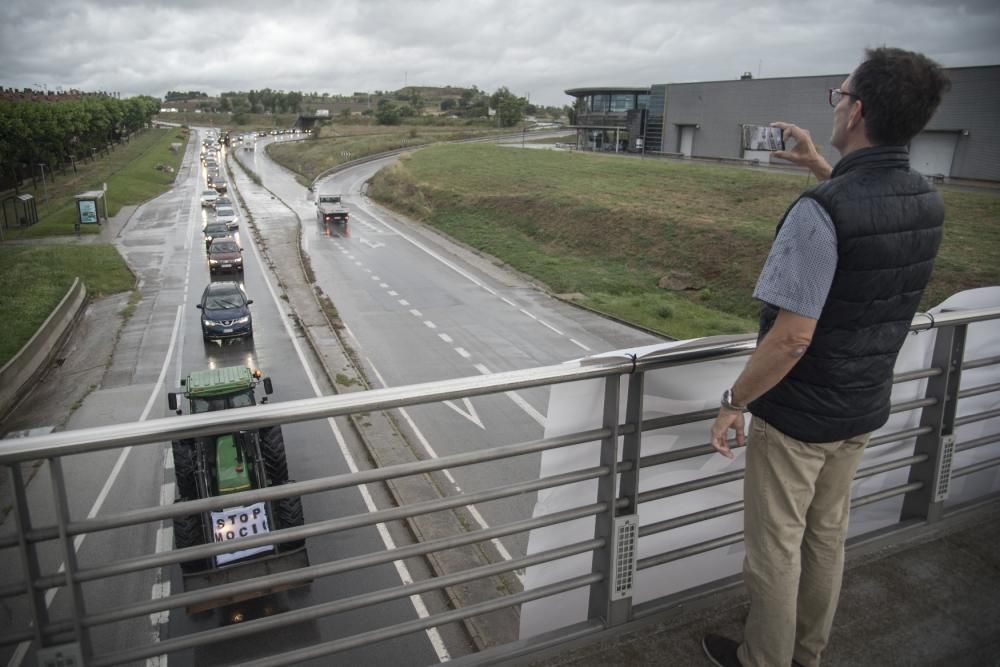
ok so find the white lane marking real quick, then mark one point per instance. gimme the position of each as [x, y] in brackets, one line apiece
[167, 493]
[358, 264]
[450, 265]
[404, 302]
[447, 473]
[508, 302]
[401, 570]
[514, 396]
[376, 279]
[393, 292]
[367, 270]
[384, 286]
[164, 538]
[22, 648]
[546, 324]
[160, 590]
[168, 459]
[445, 337]
[462, 352]
[528, 314]
[416, 313]
[429, 324]
[578, 343]
[524, 405]
[372, 244]
[469, 412]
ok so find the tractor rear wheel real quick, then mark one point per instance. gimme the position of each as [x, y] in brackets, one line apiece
[288, 514]
[272, 448]
[189, 532]
[185, 464]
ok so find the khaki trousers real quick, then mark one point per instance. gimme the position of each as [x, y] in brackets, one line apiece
[797, 498]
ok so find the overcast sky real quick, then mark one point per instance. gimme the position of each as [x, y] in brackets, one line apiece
[537, 49]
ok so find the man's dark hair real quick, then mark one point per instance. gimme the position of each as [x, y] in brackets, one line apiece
[899, 91]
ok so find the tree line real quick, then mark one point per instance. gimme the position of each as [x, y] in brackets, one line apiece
[54, 133]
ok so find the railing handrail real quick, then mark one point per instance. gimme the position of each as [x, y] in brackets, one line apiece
[98, 438]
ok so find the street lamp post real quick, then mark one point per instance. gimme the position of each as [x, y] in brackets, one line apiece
[45, 186]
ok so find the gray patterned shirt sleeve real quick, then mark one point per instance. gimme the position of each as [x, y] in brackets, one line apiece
[799, 269]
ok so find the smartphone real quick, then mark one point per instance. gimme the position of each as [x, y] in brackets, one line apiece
[762, 138]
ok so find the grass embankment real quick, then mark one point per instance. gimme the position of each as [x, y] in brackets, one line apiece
[35, 278]
[342, 143]
[609, 230]
[129, 170]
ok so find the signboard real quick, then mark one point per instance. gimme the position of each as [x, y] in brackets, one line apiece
[239, 522]
[88, 211]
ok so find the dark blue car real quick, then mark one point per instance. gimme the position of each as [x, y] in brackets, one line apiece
[225, 311]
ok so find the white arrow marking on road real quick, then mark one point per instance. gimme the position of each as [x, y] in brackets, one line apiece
[372, 244]
[471, 415]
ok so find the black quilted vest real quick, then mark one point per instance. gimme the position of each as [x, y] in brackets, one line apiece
[888, 221]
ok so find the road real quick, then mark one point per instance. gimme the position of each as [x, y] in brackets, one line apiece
[419, 307]
[161, 343]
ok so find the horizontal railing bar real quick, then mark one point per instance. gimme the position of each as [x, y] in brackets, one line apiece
[346, 480]
[349, 564]
[978, 417]
[12, 590]
[732, 508]
[18, 637]
[910, 376]
[327, 527]
[668, 421]
[179, 427]
[905, 406]
[354, 602]
[252, 417]
[890, 465]
[688, 519]
[691, 550]
[732, 538]
[861, 501]
[923, 321]
[478, 609]
[676, 455]
[693, 485]
[380, 634]
[975, 467]
[979, 391]
[980, 363]
[978, 442]
[914, 432]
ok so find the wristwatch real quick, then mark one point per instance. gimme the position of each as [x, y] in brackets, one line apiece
[727, 402]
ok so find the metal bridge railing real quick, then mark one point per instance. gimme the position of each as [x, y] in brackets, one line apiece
[29, 589]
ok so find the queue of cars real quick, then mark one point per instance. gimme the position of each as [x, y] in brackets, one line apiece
[224, 306]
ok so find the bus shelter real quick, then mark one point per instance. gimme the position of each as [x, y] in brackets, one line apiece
[88, 207]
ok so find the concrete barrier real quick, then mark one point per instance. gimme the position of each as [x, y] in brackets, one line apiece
[18, 375]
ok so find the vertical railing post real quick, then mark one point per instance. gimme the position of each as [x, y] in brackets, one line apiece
[29, 555]
[934, 474]
[73, 587]
[611, 598]
[603, 558]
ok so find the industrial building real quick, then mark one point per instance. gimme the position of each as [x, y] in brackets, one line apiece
[705, 119]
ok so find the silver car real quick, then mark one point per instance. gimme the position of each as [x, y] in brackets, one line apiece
[227, 214]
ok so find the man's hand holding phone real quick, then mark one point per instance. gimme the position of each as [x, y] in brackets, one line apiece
[804, 152]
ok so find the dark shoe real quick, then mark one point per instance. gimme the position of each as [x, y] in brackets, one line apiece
[721, 650]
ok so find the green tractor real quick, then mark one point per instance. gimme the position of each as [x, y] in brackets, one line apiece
[228, 463]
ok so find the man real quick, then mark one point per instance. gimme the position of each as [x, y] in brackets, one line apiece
[849, 263]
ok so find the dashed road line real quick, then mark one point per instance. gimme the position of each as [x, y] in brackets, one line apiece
[416, 313]
[462, 352]
[429, 324]
[446, 338]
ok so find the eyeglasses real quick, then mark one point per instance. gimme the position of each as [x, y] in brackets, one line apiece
[836, 94]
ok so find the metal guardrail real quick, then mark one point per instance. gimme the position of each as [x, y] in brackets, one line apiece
[618, 496]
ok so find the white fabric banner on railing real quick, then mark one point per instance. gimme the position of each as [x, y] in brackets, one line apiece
[578, 406]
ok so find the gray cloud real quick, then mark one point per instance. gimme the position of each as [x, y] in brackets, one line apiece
[535, 47]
